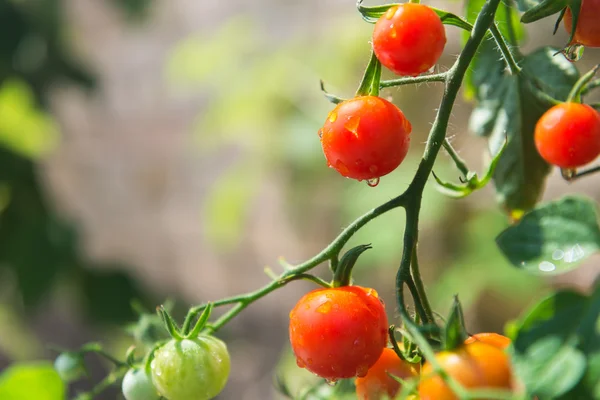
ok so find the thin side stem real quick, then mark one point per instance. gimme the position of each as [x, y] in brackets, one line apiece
[441, 77]
[460, 163]
[420, 287]
[507, 54]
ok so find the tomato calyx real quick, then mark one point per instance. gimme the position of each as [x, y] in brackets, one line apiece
[343, 272]
[455, 332]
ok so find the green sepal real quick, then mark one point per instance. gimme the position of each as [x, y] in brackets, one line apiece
[169, 324]
[472, 181]
[369, 85]
[455, 332]
[543, 9]
[373, 13]
[201, 322]
[575, 94]
[331, 97]
[344, 270]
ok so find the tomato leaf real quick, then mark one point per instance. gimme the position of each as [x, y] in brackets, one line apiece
[553, 238]
[37, 380]
[557, 344]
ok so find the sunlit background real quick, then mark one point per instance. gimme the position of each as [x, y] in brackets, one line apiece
[169, 149]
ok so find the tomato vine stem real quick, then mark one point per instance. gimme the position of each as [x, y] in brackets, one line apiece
[441, 77]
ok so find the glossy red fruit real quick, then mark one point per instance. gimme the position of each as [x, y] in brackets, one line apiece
[365, 138]
[378, 383]
[568, 135]
[476, 365]
[495, 339]
[587, 32]
[340, 332]
[409, 39]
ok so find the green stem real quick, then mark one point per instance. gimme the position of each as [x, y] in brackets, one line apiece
[508, 55]
[460, 163]
[414, 193]
[420, 287]
[416, 79]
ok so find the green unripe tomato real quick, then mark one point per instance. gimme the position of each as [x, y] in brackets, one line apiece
[137, 385]
[70, 366]
[191, 369]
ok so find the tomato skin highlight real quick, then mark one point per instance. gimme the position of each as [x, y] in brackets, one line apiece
[365, 137]
[568, 135]
[494, 339]
[191, 369]
[340, 332]
[377, 383]
[587, 32]
[409, 39]
[476, 365]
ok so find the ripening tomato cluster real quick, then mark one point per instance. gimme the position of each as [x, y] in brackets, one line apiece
[367, 137]
[342, 332]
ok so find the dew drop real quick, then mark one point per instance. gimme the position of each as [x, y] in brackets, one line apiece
[324, 308]
[574, 52]
[321, 133]
[393, 33]
[332, 116]
[341, 167]
[390, 13]
[309, 361]
[352, 124]
[300, 363]
[373, 182]
[331, 382]
[546, 266]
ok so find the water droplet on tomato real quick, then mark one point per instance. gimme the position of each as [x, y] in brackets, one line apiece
[373, 182]
[393, 32]
[324, 308]
[300, 363]
[352, 124]
[390, 13]
[321, 133]
[331, 382]
[574, 52]
[332, 116]
[309, 361]
[341, 167]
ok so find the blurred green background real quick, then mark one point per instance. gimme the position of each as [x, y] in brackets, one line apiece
[154, 149]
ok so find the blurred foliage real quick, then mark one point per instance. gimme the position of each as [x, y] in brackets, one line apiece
[37, 381]
[38, 248]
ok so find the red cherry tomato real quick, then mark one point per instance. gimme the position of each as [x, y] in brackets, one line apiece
[378, 383]
[365, 137]
[340, 332]
[500, 341]
[476, 365]
[587, 32]
[409, 39]
[568, 135]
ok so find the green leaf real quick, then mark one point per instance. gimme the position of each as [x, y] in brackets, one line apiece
[553, 238]
[31, 381]
[508, 109]
[557, 346]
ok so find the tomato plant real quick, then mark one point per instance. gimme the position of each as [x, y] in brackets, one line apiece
[568, 135]
[340, 332]
[137, 385]
[191, 368]
[378, 382]
[475, 365]
[365, 138]
[409, 39]
[531, 109]
[587, 32]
